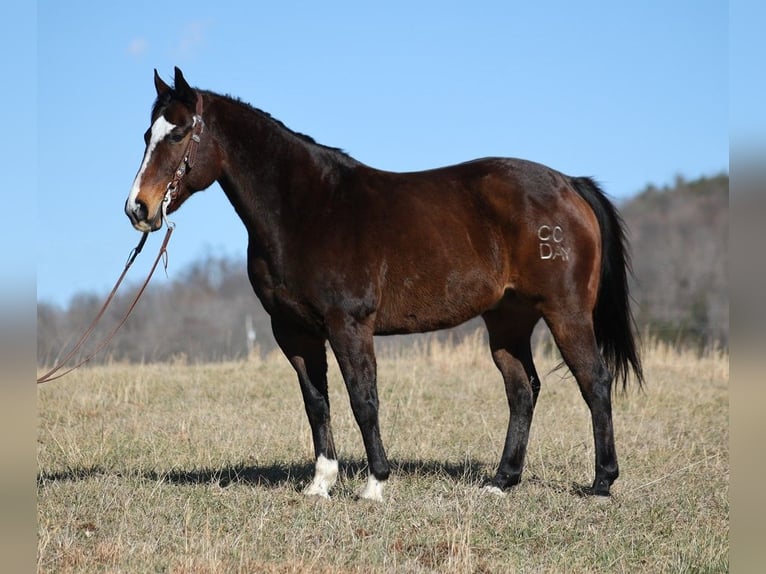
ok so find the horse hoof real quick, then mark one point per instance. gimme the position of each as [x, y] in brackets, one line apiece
[601, 499]
[493, 490]
[314, 490]
[600, 488]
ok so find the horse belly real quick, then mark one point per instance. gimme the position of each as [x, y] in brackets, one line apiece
[424, 302]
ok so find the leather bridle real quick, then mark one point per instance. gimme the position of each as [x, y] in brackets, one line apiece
[187, 160]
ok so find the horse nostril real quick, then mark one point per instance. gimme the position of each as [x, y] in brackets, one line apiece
[140, 211]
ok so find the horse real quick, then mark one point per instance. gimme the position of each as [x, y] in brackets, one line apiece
[339, 252]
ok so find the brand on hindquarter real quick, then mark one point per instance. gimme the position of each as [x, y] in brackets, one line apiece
[552, 243]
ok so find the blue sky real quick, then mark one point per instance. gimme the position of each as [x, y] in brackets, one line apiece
[628, 92]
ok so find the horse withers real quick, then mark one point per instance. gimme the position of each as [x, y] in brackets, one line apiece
[339, 252]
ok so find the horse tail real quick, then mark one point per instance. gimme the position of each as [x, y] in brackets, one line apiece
[613, 321]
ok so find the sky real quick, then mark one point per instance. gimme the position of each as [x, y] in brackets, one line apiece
[630, 93]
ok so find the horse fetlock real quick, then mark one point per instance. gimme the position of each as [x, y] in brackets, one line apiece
[504, 480]
[325, 476]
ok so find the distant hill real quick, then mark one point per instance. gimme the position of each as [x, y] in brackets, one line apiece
[679, 239]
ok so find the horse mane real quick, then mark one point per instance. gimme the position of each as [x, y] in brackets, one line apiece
[164, 100]
[304, 137]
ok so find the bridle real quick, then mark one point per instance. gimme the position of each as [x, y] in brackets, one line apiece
[186, 163]
[187, 160]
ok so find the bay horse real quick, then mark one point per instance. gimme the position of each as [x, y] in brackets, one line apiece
[339, 252]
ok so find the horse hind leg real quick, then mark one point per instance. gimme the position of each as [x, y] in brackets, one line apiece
[576, 340]
[509, 339]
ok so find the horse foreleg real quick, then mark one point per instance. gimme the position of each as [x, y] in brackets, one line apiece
[306, 353]
[352, 343]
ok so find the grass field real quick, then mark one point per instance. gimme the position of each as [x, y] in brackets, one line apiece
[198, 468]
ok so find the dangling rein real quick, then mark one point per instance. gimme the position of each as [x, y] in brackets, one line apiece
[187, 162]
[54, 374]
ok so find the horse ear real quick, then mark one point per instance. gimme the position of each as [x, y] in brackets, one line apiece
[181, 87]
[161, 87]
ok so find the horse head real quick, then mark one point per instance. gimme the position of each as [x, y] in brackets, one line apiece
[180, 155]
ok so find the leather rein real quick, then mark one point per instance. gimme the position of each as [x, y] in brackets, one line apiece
[187, 162]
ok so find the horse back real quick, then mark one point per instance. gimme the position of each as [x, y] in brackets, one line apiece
[428, 250]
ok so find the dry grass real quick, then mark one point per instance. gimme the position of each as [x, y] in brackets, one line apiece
[196, 469]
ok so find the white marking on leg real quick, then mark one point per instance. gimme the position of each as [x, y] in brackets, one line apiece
[160, 129]
[325, 475]
[373, 490]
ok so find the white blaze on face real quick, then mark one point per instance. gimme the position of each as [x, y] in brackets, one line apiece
[160, 129]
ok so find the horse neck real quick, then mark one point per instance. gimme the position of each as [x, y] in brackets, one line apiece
[273, 177]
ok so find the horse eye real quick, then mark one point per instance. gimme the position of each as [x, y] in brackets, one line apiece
[176, 137]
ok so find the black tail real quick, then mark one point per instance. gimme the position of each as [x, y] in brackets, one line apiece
[612, 318]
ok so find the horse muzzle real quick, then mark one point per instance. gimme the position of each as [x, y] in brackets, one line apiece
[138, 213]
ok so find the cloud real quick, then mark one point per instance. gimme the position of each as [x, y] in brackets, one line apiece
[137, 47]
[192, 36]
